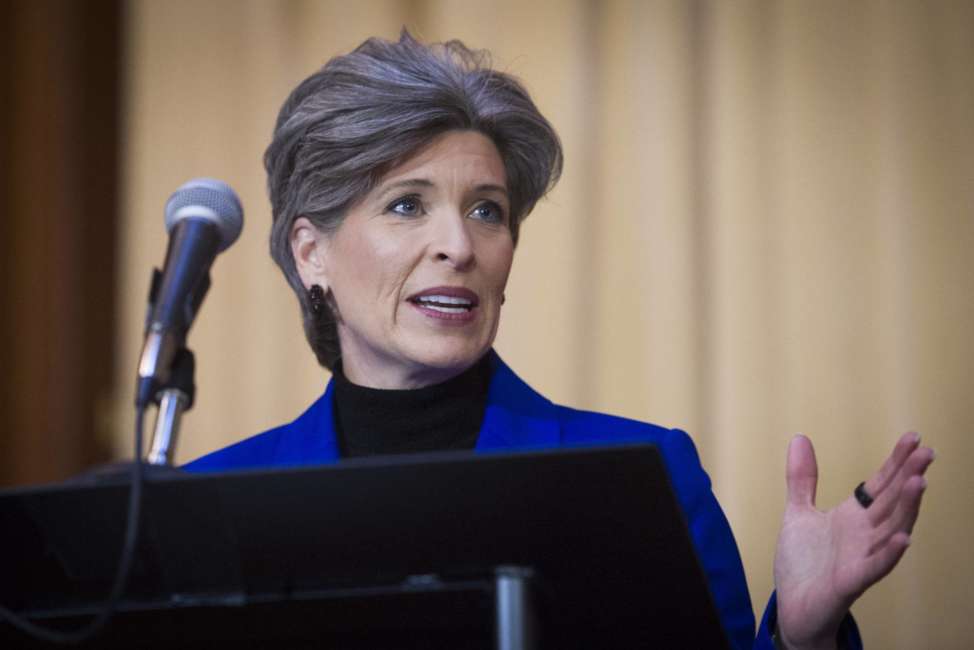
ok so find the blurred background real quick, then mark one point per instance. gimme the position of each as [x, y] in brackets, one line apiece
[765, 226]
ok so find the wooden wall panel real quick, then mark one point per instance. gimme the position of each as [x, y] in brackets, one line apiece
[59, 125]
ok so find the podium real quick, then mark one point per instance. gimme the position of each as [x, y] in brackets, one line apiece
[572, 548]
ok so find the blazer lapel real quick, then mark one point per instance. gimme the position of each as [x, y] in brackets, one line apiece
[312, 438]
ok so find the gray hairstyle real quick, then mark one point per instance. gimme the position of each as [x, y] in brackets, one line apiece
[351, 121]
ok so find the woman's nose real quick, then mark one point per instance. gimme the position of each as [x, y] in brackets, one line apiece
[452, 242]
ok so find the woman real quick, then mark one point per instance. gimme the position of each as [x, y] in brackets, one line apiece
[399, 175]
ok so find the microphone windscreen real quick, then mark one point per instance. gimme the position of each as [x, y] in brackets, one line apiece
[209, 199]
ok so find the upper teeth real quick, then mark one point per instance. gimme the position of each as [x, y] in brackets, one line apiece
[446, 300]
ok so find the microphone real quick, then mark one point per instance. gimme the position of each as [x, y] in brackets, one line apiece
[203, 218]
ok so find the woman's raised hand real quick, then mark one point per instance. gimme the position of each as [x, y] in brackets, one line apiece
[825, 560]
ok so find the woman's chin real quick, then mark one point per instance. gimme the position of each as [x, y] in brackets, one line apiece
[448, 362]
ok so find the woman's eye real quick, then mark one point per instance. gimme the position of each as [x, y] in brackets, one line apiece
[489, 211]
[408, 206]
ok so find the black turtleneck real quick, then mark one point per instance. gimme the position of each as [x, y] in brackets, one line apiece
[373, 421]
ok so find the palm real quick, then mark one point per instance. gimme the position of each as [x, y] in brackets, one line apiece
[825, 560]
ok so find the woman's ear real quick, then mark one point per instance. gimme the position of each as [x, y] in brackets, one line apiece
[308, 246]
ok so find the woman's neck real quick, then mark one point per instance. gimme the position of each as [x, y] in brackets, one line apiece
[399, 376]
[447, 415]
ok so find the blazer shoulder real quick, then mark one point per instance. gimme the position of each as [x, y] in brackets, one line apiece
[579, 426]
[308, 440]
[588, 428]
[249, 453]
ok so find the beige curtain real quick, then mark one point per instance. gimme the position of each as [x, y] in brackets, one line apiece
[765, 226]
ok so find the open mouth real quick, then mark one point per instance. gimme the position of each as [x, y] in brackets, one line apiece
[445, 304]
[448, 304]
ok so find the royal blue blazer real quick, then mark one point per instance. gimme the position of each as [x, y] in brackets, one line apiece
[519, 418]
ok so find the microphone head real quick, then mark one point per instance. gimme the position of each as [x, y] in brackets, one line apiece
[209, 199]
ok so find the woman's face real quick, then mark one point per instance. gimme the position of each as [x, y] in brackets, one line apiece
[417, 268]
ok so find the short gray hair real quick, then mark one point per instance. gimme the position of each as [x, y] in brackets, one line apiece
[347, 124]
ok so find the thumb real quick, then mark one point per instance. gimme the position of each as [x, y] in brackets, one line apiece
[801, 472]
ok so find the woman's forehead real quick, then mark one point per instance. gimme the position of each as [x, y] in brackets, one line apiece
[467, 157]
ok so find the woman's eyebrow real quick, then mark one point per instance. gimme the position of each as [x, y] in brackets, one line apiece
[413, 183]
[490, 187]
[410, 183]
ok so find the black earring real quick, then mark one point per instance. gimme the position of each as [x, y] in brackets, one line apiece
[316, 296]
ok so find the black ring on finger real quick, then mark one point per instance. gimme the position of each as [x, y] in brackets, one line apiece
[862, 496]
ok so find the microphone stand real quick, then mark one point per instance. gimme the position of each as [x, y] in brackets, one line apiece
[174, 398]
[177, 394]
[165, 377]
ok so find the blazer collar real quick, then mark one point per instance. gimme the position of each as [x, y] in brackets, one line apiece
[316, 440]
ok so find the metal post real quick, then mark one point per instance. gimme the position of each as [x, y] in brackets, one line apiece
[516, 623]
[171, 405]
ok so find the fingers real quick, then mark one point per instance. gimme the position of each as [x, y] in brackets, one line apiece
[801, 472]
[878, 565]
[905, 515]
[901, 451]
[887, 502]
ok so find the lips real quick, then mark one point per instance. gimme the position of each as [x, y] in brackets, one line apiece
[446, 301]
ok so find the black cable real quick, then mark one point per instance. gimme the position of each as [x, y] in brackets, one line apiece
[87, 631]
